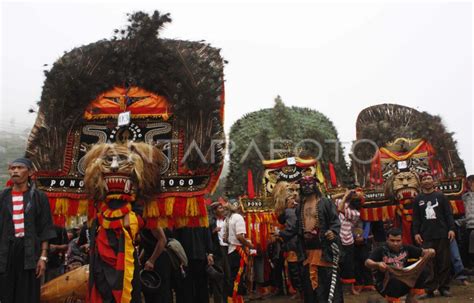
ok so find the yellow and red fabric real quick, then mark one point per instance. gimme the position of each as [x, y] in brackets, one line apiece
[260, 226]
[171, 212]
[64, 209]
[405, 212]
[176, 212]
[388, 212]
[192, 212]
[236, 298]
[378, 213]
[119, 254]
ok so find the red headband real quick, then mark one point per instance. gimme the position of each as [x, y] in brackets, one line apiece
[426, 174]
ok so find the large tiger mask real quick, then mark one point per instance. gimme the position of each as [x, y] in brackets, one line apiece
[131, 168]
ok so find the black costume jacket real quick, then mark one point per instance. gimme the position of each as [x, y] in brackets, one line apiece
[38, 225]
[328, 220]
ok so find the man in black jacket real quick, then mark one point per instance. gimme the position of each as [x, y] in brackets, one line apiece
[25, 229]
[433, 226]
[318, 229]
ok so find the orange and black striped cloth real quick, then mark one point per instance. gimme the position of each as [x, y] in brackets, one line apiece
[314, 260]
[114, 266]
[405, 212]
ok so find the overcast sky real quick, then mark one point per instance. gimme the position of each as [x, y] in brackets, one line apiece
[335, 58]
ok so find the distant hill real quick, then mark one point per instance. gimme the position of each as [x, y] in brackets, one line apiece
[12, 146]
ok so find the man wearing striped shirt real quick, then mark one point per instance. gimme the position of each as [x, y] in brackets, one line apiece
[18, 217]
[25, 229]
[348, 215]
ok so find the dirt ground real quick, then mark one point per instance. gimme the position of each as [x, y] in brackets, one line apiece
[461, 294]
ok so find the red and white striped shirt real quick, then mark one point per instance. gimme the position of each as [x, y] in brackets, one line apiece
[18, 214]
[348, 220]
